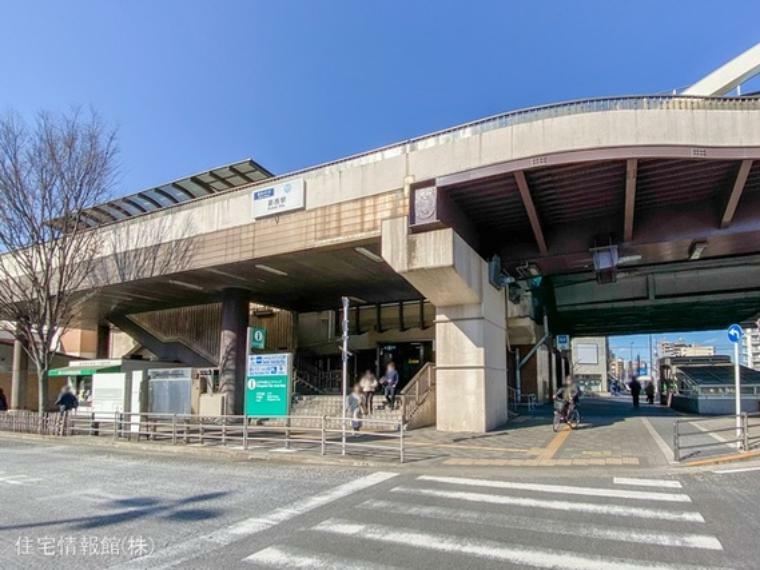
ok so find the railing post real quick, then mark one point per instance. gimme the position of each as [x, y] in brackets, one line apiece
[403, 410]
[324, 421]
[401, 442]
[115, 424]
[676, 451]
[174, 429]
[287, 432]
[224, 430]
[745, 430]
[200, 430]
[245, 433]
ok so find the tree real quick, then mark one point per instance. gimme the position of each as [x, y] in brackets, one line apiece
[51, 173]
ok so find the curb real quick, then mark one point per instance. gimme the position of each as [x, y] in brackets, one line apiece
[230, 454]
[733, 458]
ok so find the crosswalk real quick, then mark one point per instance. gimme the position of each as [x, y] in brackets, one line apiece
[17, 479]
[464, 522]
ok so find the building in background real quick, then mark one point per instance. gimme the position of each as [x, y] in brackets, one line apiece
[589, 363]
[680, 348]
[751, 348]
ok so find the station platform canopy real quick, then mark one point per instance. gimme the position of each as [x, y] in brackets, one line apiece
[170, 194]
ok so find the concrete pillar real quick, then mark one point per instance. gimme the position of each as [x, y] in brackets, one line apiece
[19, 376]
[232, 347]
[103, 343]
[470, 324]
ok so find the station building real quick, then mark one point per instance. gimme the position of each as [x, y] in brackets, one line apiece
[463, 252]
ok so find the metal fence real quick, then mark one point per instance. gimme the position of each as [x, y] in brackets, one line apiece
[711, 435]
[324, 433]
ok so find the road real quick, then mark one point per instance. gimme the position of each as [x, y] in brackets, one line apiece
[68, 507]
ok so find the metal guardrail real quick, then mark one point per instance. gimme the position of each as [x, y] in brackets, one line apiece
[240, 431]
[744, 436]
[573, 107]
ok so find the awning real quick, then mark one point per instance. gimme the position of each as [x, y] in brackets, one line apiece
[82, 370]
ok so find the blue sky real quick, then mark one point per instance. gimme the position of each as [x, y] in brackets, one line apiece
[195, 84]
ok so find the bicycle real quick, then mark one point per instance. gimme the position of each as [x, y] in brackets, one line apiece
[573, 419]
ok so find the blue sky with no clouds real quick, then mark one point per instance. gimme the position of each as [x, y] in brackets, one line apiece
[193, 84]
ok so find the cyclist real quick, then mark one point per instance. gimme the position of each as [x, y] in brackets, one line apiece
[568, 394]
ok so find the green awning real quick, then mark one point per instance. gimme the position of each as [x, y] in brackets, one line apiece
[81, 370]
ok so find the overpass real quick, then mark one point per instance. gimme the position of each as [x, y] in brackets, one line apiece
[608, 215]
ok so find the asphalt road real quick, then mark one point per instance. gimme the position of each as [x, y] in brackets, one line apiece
[64, 507]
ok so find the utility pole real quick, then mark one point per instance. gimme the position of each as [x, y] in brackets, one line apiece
[344, 351]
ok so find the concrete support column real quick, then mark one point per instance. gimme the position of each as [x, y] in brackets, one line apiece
[235, 303]
[103, 342]
[470, 325]
[19, 376]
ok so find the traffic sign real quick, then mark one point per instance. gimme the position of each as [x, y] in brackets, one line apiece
[563, 341]
[735, 333]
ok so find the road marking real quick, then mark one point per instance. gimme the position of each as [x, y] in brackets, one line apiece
[292, 557]
[489, 549]
[664, 447]
[546, 526]
[561, 489]
[602, 509]
[737, 470]
[555, 444]
[647, 482]
[19, 479]
[176, 554]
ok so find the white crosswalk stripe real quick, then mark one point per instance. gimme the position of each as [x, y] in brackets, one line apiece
[534, 557]
[661, 483]
[493, 521]
[595, 508]
[18, 479]
[293, 557]
[561, 489]
[586, 530]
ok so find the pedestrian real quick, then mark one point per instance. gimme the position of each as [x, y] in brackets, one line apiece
[3, 401]
[66, 401]
[368, 385]
[354, 405]
[635, 386]
[649, 390]
[390, 382]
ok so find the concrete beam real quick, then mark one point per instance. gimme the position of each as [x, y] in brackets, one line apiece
[727, 77]
[736, 193]
[631, 169]
[530, 209]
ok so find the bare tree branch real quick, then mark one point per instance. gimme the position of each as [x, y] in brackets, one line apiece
[50, 174]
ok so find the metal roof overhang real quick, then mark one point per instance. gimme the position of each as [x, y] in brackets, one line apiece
[176, 192]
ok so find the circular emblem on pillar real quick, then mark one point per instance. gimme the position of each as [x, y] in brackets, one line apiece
[425, 204]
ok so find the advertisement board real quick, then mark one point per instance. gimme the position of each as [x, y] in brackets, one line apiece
[267, 385]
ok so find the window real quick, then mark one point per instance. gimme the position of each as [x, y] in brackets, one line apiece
[586, 354]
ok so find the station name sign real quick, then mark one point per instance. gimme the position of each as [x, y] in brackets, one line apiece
[279, 198]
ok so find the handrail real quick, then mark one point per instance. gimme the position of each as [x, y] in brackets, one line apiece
[742, 430]
[518, 116]
[378, 435]
[417, 390]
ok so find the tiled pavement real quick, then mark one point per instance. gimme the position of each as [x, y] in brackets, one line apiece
[612, 433]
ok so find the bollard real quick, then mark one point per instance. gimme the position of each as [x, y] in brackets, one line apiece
[676, 452]
[401, 442]
[324, 420]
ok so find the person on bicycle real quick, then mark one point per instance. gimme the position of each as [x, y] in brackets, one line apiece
[569, 394]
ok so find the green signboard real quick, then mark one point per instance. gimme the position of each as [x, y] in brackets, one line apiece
[267, 385]
[257, 338]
